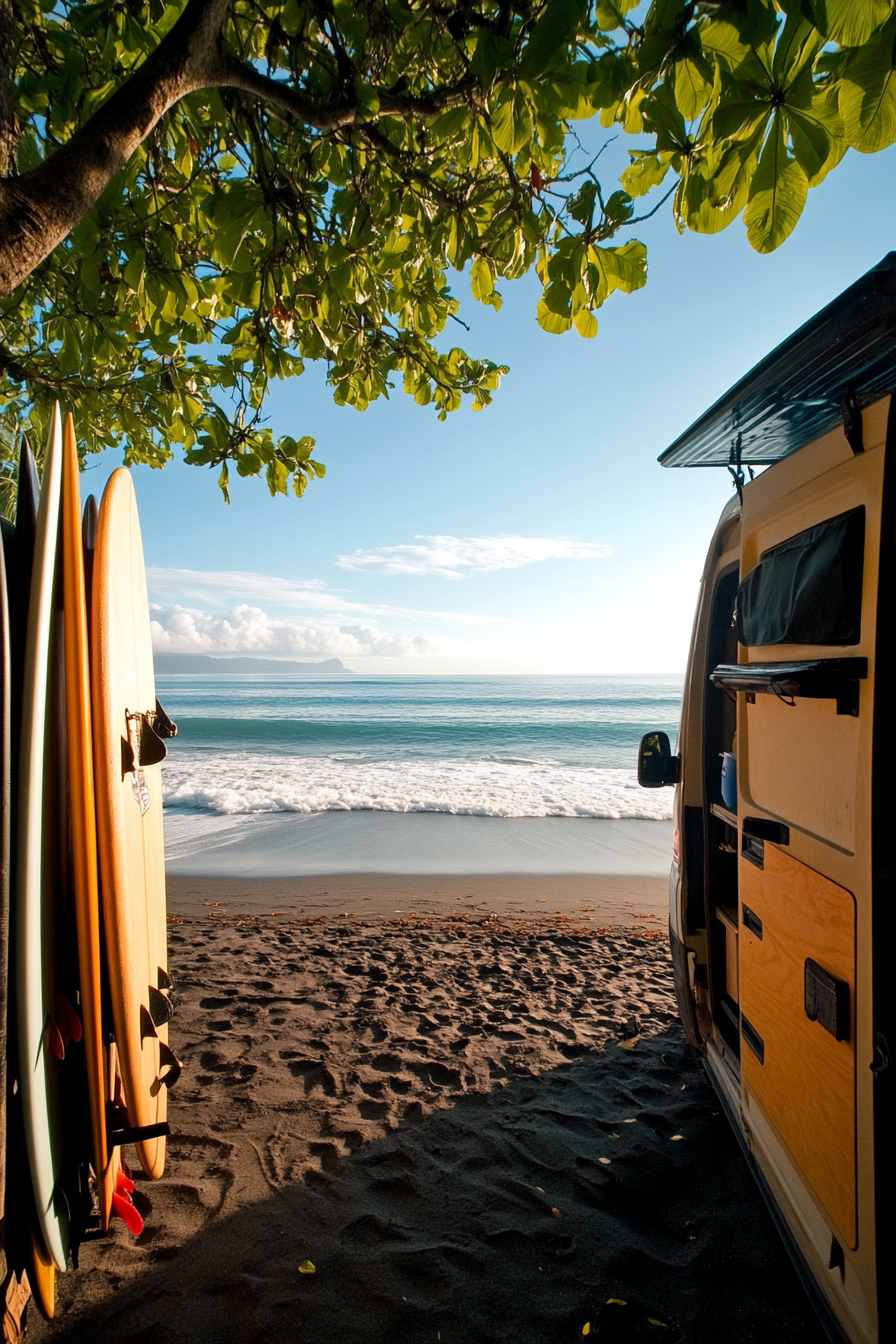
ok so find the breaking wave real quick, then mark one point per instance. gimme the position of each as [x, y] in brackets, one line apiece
[229, 783]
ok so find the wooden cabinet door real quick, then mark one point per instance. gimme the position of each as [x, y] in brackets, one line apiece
[800, 1073]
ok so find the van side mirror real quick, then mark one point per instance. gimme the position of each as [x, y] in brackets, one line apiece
[656, 764]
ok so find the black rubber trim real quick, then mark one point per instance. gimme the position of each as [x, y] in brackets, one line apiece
[687, 1009]
[822, 1307]
[752, 1038]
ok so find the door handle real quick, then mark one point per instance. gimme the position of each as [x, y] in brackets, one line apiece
[760, 828]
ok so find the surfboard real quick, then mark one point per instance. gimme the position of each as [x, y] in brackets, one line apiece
[79, 752]
[22, 1241]
[128, 781]
[38, 850]
[5, 857]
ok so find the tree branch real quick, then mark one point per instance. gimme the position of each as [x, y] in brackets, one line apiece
[38, 209]
[238, 75]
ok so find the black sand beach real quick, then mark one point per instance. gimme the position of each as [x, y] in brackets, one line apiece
[474, 1128]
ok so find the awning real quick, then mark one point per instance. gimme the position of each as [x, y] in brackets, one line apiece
[795, 394]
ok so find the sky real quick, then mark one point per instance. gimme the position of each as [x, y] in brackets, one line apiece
[539, 535]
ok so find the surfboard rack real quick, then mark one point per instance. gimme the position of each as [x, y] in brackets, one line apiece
[813, 679]
[119, 1134]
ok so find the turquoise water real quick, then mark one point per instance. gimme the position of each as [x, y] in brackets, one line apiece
[478, 746]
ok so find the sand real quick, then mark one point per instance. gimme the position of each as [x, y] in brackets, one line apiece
[291, 844]
[474, 1129]
[590, 898]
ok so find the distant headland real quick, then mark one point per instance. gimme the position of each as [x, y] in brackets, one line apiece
[205, 664]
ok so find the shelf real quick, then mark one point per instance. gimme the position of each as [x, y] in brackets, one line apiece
[729, 818]
[728, 916]
[811, 679]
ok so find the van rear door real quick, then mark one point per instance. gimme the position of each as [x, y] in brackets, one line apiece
[807, 621]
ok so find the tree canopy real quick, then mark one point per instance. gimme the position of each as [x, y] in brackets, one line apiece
[197, 198]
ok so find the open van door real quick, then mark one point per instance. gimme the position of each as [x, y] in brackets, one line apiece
[784, 908]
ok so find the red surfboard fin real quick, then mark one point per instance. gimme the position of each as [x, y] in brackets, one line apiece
[123, 1184]
[122, 1205]
[67, 1019]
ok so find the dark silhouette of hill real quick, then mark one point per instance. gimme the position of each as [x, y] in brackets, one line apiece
[204, 664]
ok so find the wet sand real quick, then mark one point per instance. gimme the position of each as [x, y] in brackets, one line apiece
[290, 844]
[475, 1128]
[600, 899]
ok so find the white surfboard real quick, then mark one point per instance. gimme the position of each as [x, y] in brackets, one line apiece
[39, 838]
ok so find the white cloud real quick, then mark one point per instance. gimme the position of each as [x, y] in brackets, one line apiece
[246, 629]
[452, 557]
[222, 587]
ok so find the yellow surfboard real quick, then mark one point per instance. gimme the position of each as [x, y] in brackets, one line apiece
[83, 822]
[127, 724]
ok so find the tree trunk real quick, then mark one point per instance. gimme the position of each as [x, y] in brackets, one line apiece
[38, 209]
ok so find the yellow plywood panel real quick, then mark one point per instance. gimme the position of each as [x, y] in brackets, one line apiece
[801, 763]
[806, 1084]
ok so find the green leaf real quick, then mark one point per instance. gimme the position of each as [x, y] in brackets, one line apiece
[224, 483]
[663, 115]
[581, 204]
[850, 22]
[722, 42]
[586, 324]
[611, 13]
[277, 477]
[482, 279]
[692, 88]
[555, 28]
[815, 149]
[868, 92]
[226, 241]
[248, 464]
[493, 53]
[552, 322]
[625, 267]
[368, 102]
[647, 171]
[777, 194]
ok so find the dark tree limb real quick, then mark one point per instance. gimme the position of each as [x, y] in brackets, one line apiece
[39, 209]
[238, 75]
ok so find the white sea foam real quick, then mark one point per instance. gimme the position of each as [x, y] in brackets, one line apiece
[228, 783]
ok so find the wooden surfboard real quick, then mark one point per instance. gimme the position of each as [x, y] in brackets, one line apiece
[127, 756]
[79, 751]
[39, 845]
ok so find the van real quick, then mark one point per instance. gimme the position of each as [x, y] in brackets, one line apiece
[783, 879]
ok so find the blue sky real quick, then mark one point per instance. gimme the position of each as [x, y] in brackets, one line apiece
[539, 535]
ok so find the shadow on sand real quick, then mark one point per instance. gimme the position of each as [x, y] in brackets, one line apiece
[493, 1221]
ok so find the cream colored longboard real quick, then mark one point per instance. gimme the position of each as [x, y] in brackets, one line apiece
[36, 880]
[128, 784]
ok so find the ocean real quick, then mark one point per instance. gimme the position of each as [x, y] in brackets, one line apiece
[302, 775]
[520, 746]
